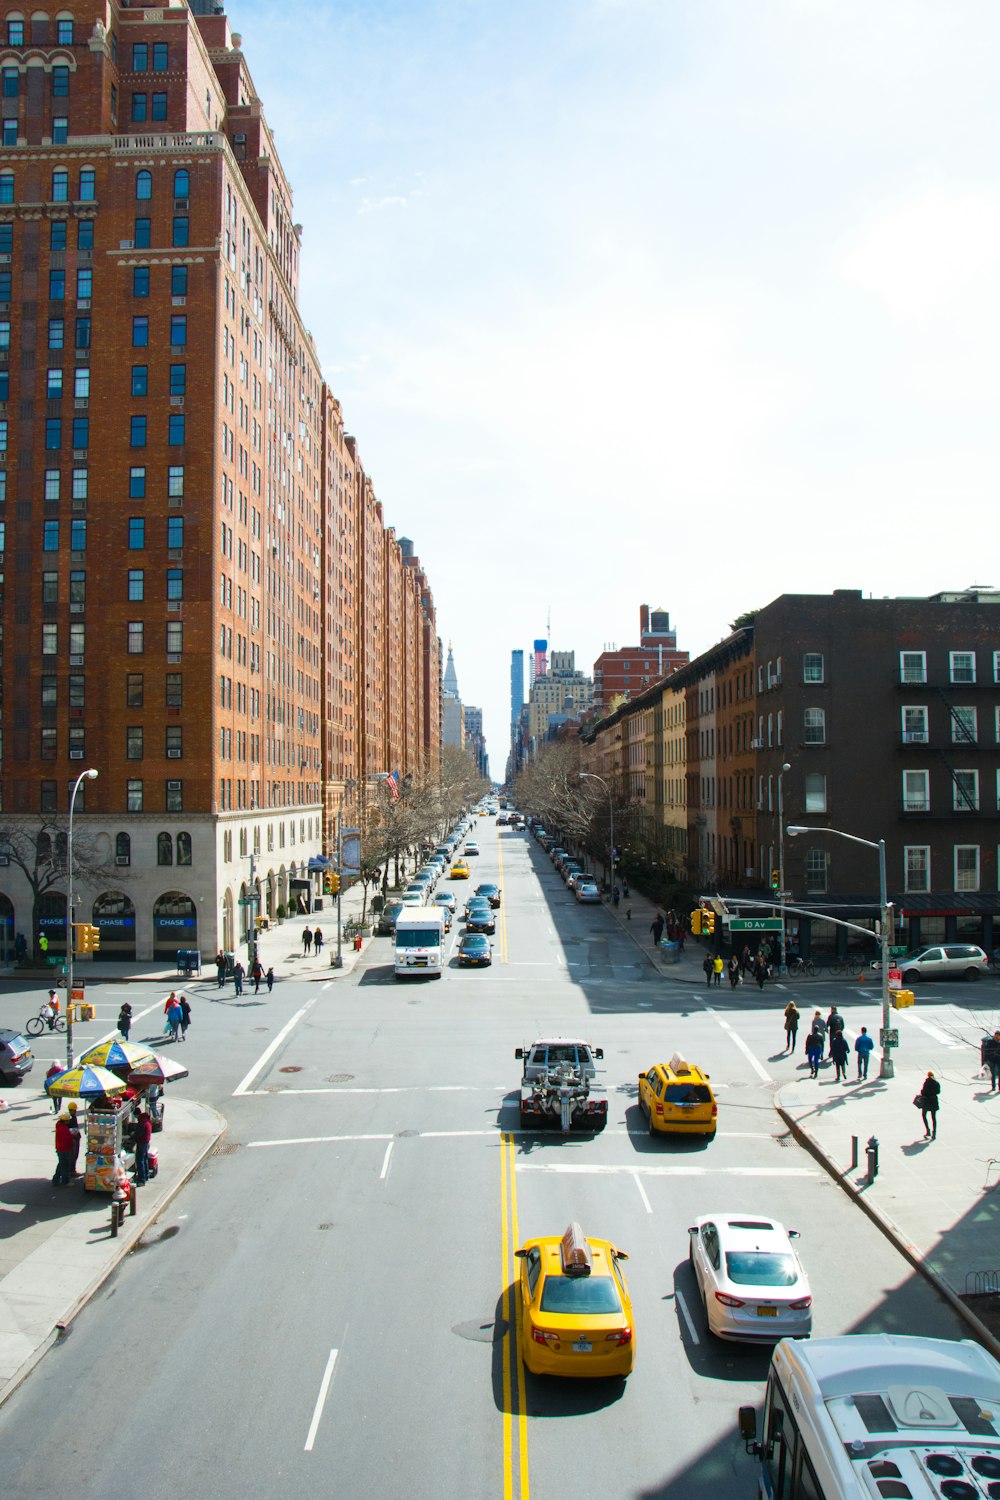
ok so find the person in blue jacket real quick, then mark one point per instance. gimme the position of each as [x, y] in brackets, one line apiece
[863, 1047]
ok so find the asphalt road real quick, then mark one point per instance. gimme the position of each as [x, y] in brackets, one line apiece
[327, 1303]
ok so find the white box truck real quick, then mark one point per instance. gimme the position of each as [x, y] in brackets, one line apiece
[419, 942]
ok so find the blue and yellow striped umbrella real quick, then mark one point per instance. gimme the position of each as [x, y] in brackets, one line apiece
[84, 1083]
[115, 1054]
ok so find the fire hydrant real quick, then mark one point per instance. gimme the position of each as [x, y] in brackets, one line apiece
[119, 1198]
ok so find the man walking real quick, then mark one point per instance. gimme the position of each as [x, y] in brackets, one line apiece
[834, 1025]
[238, 975]
[709, 967]
[840, 1051]
[863, 1047]
[307, 939]
[143, 1136]
[185, 1017]
[814, 1050]
[991, 1057]
[656, 928]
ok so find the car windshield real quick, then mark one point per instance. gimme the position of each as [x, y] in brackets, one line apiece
[580, 1294]
[418, 937]
[475, 943]
[761, 1268]
[688, 1093]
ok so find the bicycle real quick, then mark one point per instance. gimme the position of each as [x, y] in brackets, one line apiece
[802, 966]
[38, 1025]
[852, 966]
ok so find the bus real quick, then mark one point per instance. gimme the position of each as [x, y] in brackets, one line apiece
[419, 942]
[878, 1415]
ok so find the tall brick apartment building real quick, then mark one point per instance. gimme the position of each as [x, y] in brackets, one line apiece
[202, 599]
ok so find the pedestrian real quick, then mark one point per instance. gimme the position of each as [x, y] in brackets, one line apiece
[745, 958]
[863, 1047]
[256, 974]
[625, 891]
[269, 977]
[717, 968]
[991, 1057]
[143, 1136]
[791, 1025]
[317, 940]
[834, 1024]
[20, 948]
[616, 894]
[73, 1106]
[238, 975]
[927, 1102]
[170, 1001]
[814, 1051]
[709, 967]
[67, 1144]
[656, 928]
[125, 1020]
[733, 967]
[54, 1070]
[185, 1017]
[818, 1024]
[760, 969]
[220, 968]
[307, 938]
[174, 1017]
[840, 1051]
[680, 937]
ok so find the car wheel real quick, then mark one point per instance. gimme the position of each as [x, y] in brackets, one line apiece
[971, 974]
[910, 976]
[691, 1254]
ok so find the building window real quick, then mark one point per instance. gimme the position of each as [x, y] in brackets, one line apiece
[964, 726]
[141, 233]
[6, 187]
[50, 695]
[136, 533]
[11, 82]
[137, 430]
[50, 640]
[180, 231]
[175, 532]
[161, 57]
[88, 185]
[134, 690]
[178, 281]
[817, 871]
[917, 867]
[175, 637]
[57, 286]
[140, 281]
[78, 535]
[164, 849]
[178, 380]
[136, 584]
[814, 732]
[183, 847]
[137, 482]
[143, 186]
[64, 32]
[77, 689]
[178, 330]
[76, 742]
[85, 234]
[77, 588]
[84, 285]
[80, 484]
[962, 666]
[140, 380]
[53, 433]
[123, 849]
[175, 583]
[175, 480]
[140, 333]
[47, 792]
[158, 110]
[47, 747]
[815, 792]
[916, 791]
[966, 867]
[133, 796]
[182, 183]
[60, 83]
[133, 742]
[138, 108]
[60, 130]
[174, 690]
[50, 536]
[81, 382]
[50, 588]
[965, 791]
[15, 33]
[81, 333]
[135, 638]
[913, 666]
[10, 133]
[60, 186]
[175, 430]
[140, 57]
[174, 742]
[173, 799]
[57, 334]
[81, 432]
[914, 724]
[57, 234]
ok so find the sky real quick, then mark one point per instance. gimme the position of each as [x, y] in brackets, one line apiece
[680, 302]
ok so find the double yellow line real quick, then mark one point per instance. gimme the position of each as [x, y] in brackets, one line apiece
[515, 1416]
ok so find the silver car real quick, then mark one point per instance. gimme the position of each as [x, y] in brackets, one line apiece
[586, 891]
[750, 1278]
[946, 961]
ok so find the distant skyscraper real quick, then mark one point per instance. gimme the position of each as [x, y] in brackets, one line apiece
[538, 660]
[450, 683]
[516, 685]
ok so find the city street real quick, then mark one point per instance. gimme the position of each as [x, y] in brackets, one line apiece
[327, 1305]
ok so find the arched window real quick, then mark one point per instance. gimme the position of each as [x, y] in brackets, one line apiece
[183, 848]
[164, 849]
[182, 183]
[144, 184]
[123, 849]
[61, 846]
[43, 846]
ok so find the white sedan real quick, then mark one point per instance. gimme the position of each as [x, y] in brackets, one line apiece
[447, 900]
[471, 848]
[750, 1278]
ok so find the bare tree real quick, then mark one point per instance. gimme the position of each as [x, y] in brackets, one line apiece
[40, 854]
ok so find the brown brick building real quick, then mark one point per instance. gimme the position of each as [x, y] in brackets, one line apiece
[202, 600]
[630, 670]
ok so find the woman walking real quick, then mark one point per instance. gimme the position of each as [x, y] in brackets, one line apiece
[791, 1025]
[930, 1096]
[174, 1017]
[185, 1016]
[125, 1021]
[760, 969]
[735, 977]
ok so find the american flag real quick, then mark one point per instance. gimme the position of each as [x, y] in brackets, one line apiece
[392, 785]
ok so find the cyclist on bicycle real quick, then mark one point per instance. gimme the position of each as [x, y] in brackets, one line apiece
[50, 1010]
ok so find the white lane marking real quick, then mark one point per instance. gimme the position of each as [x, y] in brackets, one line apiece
[594, 1169]
[687, 1318]
[321, 1400]
[642, 1192]
[431, 1088]
[941, 1037]
[316, 1140]
[258, 1067]
[758, 1067]
[385, 1163]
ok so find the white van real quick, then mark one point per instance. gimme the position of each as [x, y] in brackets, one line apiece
[419, 942]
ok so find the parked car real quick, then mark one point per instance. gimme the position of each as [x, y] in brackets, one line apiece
[586, 891]
[16, 1059]
[947, 961]
[387, 918]
[447, 900]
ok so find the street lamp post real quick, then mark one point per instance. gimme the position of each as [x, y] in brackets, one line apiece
[783, 963]
[886, 1068]
[590, 776]
[83, 776]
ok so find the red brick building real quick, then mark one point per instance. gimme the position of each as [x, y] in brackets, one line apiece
[625, 673]
[203, 602]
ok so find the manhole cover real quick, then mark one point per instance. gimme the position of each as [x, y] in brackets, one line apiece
[292, 1068]
[340, 1078]
[324, 1226]
[225, 1148]
[482, 1333]
[402, 1135]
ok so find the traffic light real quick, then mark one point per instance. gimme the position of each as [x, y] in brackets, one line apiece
[88, 937]
[707, 923]
[696, 920]
[776, 880]
[333, 884]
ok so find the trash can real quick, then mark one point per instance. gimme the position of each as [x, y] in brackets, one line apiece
[378, 905]
[671, 951]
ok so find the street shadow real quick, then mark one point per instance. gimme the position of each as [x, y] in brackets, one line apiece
[379, 974]
[663, 1143]
[719, 1359]
[35, 1200]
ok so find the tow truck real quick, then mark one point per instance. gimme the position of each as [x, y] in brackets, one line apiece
[559, 1086]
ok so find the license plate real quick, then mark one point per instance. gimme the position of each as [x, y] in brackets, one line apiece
[767, 1312]
[583, 1346]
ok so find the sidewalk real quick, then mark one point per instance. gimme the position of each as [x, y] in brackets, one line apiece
[56, 1247]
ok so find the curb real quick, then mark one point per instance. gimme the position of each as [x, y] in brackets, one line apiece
[124, 1247]
[892, 1233]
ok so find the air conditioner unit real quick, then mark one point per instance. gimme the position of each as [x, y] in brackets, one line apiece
[173, 658]
[125, 244]
[76, 755]
[83, 302]
[76, 661]
[914, 736]
[180, 204]
[175, 554]
[178, 302]
[173, 786]
[81, 403]
[76, 608]
[173, 755]
[177, 401]
[122, 859]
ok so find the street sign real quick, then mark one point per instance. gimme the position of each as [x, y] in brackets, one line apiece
[888, 1036]
[755, 924]
[898, 952]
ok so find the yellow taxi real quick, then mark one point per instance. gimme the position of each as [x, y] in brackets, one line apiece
[576, 1316]
[460, 870]
[677, 1099]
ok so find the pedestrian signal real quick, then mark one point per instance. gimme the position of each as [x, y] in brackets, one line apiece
[776, 880]
[696, 920]
[707, 923]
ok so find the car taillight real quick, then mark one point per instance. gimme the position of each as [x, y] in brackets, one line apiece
[801, 1305]
[728, 1301]
[621, 1337]
[715, 1110]
[659, 1109]
[544, 1336]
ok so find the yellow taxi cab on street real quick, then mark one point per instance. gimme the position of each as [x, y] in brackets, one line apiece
[460, 870]
[677, 1099]
[576, 1316]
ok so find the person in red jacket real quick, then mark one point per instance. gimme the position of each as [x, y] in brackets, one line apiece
[67, 1145]
[143, 1136]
